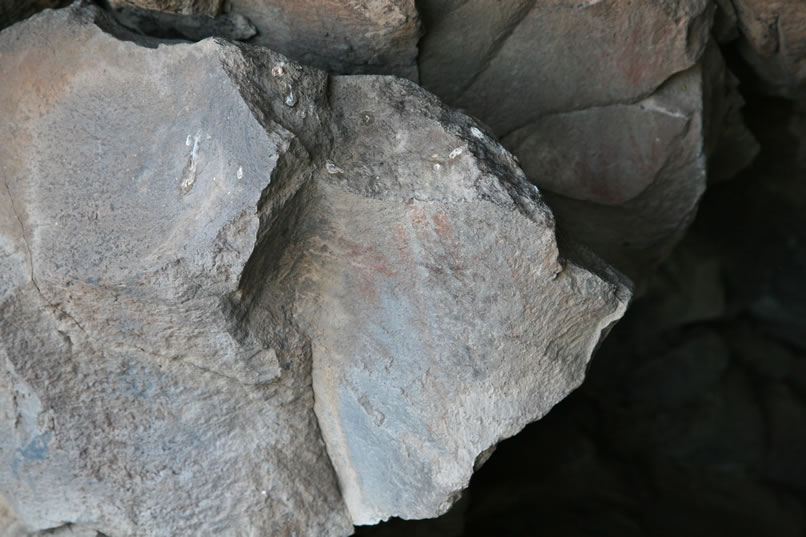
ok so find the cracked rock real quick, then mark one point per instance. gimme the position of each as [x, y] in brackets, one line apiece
[605, 103]
[256, 299]
[360, 36]
[513, 65]
[773, 41]
[626, 179]
[191, 26]
[210, 8]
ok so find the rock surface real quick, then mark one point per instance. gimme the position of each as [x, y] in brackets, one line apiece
[210, 8]
[533, 58]
[191, 27]
[131, 401]
[690, 419]
[315, 304]
[610, 106]
[773, 41]
[359, 36]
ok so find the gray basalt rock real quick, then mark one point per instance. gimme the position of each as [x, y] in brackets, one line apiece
[132, 400]
[613, 109]
[255, 299]
[360, 36]
[513, 65]
[363, 36]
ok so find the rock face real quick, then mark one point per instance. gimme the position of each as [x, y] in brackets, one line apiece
[606, 104]
[192, 27]
[258, 300]
[210, 8]
[773, 41]
[131, 400]
[524, 65]
[359, 36]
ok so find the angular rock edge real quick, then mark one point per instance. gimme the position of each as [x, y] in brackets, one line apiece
[326, 176]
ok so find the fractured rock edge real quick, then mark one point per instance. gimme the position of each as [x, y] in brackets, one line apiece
[310, 96]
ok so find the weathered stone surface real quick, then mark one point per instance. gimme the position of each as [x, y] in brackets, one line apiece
[626, 178]
[210, 8]
[359, 36]
[190, 27]
[131, 400]
[315, 274]
[514, 65]
[459, 266]
[773, 41]
[612, 108]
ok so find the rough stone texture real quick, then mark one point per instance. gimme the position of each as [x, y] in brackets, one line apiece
[355, 36]
[612, 107]
[773, 41]
[169, 25]
[131, 401]
[210, 8]
[627, 178]
[456, 268]
[690, 419]
[513, 65]
[173, 283]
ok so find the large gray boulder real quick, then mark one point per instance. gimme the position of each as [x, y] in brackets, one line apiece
[239, 297]
[610, 106]
[132, 401]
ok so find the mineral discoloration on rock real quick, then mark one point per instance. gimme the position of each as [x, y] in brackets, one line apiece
[257, 315]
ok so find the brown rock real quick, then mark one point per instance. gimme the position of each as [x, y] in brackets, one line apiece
[774, 42]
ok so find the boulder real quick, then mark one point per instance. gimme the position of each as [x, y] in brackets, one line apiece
[773, 42]
[257, 299]
[210, 8]
[182, 26]
[360, 36]
[132, 401]
[613, 109]
[626, 179]
[513, 65]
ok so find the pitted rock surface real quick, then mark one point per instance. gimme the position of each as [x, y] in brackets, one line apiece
[239, 296]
